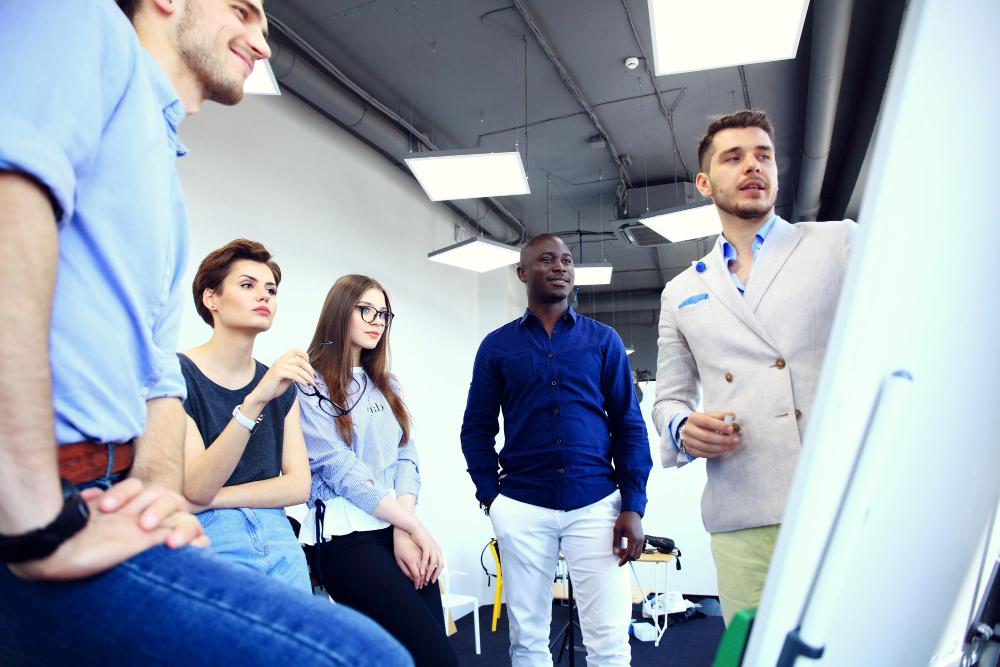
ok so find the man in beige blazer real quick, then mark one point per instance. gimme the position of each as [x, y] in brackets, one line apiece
[747, 325]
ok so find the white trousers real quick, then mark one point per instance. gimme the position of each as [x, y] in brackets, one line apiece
[530, 539]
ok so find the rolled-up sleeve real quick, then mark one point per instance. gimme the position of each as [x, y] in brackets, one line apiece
[55, 101]
[407, 474]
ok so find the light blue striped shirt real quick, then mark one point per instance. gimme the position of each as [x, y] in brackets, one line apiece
[88, 112]
[363, 471]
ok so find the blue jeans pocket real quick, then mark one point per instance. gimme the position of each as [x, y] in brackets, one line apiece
[207, 518]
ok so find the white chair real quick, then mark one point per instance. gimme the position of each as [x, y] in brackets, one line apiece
[451, 601]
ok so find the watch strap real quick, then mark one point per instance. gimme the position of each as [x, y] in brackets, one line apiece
[41, 542]
[246, 422]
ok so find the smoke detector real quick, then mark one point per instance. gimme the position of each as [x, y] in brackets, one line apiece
[631, 62]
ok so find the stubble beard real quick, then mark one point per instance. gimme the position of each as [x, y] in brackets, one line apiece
[748, 211]
[196, 53]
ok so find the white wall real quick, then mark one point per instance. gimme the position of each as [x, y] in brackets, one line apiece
[674, 511]
[273, 170]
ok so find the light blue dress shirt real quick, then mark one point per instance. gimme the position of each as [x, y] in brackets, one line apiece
[87, 112]
[729, 256]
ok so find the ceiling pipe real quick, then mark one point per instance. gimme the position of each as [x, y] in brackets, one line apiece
[573, 87]
[831, 27]
[349, 105]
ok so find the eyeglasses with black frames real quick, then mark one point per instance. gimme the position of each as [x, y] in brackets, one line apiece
[324, 402]
[371, 314]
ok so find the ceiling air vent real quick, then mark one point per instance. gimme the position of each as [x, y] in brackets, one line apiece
[638, 234]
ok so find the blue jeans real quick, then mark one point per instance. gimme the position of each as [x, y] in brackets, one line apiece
[183, 607]
[260, 539]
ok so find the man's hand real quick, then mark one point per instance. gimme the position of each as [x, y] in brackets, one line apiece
[629, 526]
[407, 555]
[705, 434]
[124, 521]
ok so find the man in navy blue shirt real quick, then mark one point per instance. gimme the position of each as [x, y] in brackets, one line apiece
[573, 468]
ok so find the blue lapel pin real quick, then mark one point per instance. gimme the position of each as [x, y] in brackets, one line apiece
[700, 267]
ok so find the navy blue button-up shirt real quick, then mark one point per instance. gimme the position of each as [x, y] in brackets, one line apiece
[573, 432]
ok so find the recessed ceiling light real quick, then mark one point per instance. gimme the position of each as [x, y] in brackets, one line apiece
[593, 274]
[683, 223]
[261, 80]
[447, 175]
[476, 254]
[741, 33]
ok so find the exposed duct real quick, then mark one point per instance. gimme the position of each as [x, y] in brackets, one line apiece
[332, 93]
[831, 26]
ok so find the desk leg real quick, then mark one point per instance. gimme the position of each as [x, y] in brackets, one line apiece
[663, 589]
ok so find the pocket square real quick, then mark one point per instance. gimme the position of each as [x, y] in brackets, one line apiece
[691, 300]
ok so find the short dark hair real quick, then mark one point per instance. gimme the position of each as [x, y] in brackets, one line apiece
[130, 7]
[537, 239]
[738, 119]
[215, 267]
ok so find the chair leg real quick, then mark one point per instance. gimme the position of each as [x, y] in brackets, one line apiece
[475, 623]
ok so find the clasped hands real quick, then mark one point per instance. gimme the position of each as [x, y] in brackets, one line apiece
[125, 520]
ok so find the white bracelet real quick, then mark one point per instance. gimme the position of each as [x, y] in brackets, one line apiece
[246, 422]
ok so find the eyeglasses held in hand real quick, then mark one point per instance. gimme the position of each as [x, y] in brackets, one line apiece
[324, 402]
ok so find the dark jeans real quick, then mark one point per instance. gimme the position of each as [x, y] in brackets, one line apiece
[360, 571]
[182, 607]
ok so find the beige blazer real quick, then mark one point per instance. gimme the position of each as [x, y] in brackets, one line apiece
[758, 355]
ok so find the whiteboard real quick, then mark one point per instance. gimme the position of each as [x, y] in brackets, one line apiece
[900, 469]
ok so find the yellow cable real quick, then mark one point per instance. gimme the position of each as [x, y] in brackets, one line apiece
[499, 589]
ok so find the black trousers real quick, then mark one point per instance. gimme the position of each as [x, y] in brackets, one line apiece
[360, 570]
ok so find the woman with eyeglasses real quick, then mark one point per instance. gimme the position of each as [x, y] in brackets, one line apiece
[374, 554]
[245, 458]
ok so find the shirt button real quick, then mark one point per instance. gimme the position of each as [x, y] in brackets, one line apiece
[562, 471]
[729, 376]
[551, 355]
[555, 382]
[558, 441]
[779, 363]
[555, 411]
[798, 414]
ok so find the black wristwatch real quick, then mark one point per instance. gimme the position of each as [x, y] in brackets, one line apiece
[41, 542]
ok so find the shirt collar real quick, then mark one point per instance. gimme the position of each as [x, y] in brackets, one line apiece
[527, 313]
[729, 252]
[166, 96]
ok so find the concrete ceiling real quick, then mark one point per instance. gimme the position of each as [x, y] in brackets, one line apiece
[472, 73]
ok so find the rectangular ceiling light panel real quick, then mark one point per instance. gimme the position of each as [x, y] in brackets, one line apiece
[261, 80]
[447, 175]
[694, 36]
[476, 254]
[593, 274]
[684, 223]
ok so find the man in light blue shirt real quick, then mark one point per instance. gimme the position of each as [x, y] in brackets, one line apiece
[93, 243]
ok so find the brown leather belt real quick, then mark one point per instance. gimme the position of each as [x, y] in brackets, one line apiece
[86, 461]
